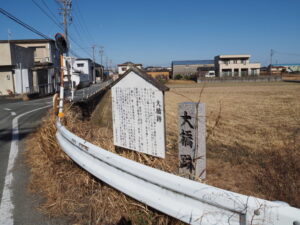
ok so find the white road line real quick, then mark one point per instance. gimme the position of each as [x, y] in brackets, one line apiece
[7, 109]
[6, 205]
[13, 113]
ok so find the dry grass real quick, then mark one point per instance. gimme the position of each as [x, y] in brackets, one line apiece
[71, 192]
[253, 148]
[291, 77]
[171, 82]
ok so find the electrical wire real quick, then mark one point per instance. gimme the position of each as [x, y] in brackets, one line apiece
[49, 16]
[51, 12]
[77, 8]
[61, 28]
[286, 53]
[28, 27]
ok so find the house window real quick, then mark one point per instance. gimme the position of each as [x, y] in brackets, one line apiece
[80, 64]
[124, 69]
[8, 77]
[235, 61]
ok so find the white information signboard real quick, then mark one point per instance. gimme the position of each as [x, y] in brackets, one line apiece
[138, 115]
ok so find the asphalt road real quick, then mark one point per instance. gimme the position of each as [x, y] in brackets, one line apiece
[17, 205]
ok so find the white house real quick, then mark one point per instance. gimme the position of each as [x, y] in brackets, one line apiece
[122, 68]
[236, 65]
[84, 66]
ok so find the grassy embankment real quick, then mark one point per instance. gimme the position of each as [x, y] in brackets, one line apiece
[253, 132]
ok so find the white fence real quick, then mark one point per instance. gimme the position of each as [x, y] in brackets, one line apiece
[189, 201]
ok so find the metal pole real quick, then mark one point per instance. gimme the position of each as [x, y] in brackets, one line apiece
[101, 62]
[72, 76]
[61, 94]
[94, 77]
[271, 61]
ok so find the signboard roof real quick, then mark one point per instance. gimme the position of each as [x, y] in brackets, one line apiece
[143, 75]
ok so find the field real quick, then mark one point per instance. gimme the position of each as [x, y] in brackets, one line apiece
[253, 132]
[252, 138]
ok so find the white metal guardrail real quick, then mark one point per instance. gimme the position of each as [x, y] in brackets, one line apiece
[189, 201]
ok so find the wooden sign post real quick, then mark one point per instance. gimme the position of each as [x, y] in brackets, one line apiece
[192, 140]
[138, 113]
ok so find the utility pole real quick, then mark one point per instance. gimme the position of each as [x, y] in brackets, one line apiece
[67, 19]
[106, 63]
[94, 76]
[271, 60]
[8, 35]
[110, 64]
[101, 52]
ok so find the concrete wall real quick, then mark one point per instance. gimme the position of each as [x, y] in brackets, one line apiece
[22, 57]
[41, 51]
[187, 70]
[5, 56]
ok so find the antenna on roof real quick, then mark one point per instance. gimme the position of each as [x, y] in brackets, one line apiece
[9, 34]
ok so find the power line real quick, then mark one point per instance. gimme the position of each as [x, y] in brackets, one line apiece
[51, 12]
[83, 21]
[60, 27]
[28, 27]
[286, 53]
[50, 17]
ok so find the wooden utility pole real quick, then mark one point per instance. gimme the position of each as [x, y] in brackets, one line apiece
[66, 12]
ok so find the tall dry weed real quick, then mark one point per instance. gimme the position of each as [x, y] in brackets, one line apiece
[72, 193]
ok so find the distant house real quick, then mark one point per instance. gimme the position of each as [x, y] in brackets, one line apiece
[84, 66]
[276, 70]
[235, 65]
[290, 68]
[122, 68]
[99, 72]
[28, 66]
[189, 67]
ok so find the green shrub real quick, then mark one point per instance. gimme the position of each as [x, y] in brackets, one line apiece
[178, 77]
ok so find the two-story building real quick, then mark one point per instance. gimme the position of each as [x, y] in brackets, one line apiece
[85, 66]
[236, 65]
[33, 64]
[15, 64]
[122, 68]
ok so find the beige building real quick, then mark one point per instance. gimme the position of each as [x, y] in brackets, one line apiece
[28, 66]
[235, 65]
[15, 73]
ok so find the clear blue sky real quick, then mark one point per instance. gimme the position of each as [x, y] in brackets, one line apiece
[155, 32]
